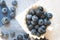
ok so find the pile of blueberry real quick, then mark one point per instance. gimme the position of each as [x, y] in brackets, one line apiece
[23, 37]
[5, 13]
[38, 20]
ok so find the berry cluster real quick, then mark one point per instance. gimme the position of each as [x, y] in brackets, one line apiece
[37, 20]
[7, 14]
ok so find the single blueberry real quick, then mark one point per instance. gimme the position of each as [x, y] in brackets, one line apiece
[33, 23]
[13, 9]
[38, 34]
[19, 37]
[45, 22]
[37, 26]
[33, 31]
[26, 35]
[30, 27]
[40, 8]
[34, 18]
[4, 10]
[49, 15]
[14, 3]
[29, 17]
[5, 20]
[40, 22]
[31, 11]
[12, 15]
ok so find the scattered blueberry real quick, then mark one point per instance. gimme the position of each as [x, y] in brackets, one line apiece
[14, 3]
[5, 20]
[4, 10]
[12, 15]
[26, 35]
[13, 9]
[19, 37]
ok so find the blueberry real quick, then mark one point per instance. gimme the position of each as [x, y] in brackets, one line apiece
[12, 34]
[49, 15]
[14, 3]
[48, 22]
[42, 29]
[38, 34]
[33, 31]
[31, 11]
[19, 37]
[5, 20]
[13, 9]
[40, 8]
[37, 26]
[39, 30]
[33, 23]
[45, 21]
[2, 2]
[40, 22]
[12, 15]
[15, 39]
[43, 26]
[29, 17]
[30, 27]
[4, 10]
[6, 35]
[45, 14]
[26, 35]
[28, 22]
[38, 12]
[34, 18]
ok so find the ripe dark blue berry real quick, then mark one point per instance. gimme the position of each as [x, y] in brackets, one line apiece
[31, 11]
[26, 35]
[40, 22]
[29, 17]
[14, 3]
[33, 23]
[5, 20]
[30, 27]
[33, 31]
[41, 8]
[4, 10]
[42, 29]
[37, 26]
[12, 15]
[49, 15]
[34, 18]
[45, 21]
[38, 34]
[13, 9]
[19, 37]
